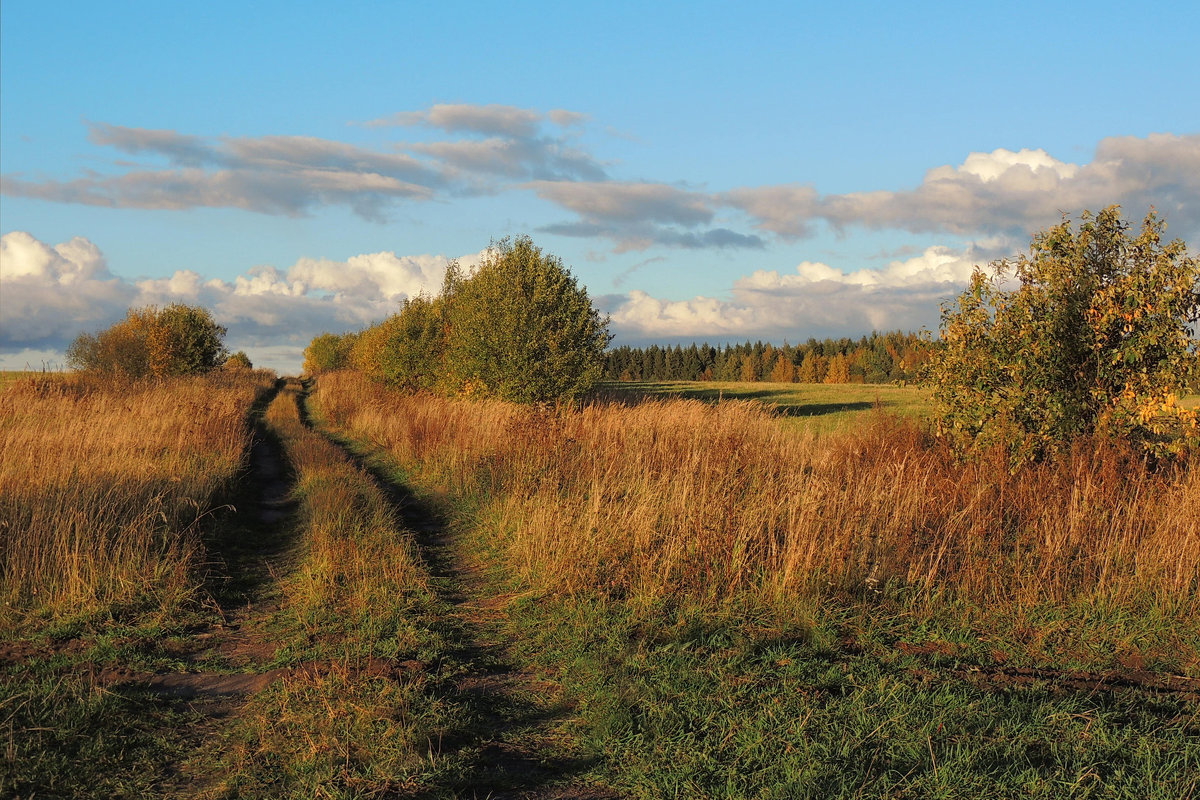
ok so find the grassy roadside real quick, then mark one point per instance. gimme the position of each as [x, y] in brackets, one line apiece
[859, 691]
[70, 633]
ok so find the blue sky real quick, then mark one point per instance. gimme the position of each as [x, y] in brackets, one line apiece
[708, 170]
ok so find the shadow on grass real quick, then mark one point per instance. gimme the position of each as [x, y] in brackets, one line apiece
[250, 538]
[781, 402]
[501, 744]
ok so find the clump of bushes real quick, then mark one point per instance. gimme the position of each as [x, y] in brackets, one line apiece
[239, 361]
[172, 341]
[518, 327]
[1096, 338]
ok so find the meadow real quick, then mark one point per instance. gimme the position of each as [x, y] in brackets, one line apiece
[683, 590]
[102, 487]
[742, 608]
[815, 407]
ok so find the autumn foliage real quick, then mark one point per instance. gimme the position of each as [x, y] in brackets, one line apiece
[176, 340]
[1091, 333]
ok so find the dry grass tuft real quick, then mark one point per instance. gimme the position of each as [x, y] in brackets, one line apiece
[102, 483]
[676, 497]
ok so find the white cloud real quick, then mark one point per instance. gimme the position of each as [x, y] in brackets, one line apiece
[48, 295]
[1002, 192]
[999, 163]
[815, 299]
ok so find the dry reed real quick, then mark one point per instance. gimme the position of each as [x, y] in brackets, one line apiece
[675, 497]
[101, 485]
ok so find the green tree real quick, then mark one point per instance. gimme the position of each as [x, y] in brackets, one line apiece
[1096, 337]
[406, 349]
[521, 328]
[185, 340]
[328, 352]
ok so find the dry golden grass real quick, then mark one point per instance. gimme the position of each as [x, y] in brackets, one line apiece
[677, 497]
[101, 485]
[358, 557]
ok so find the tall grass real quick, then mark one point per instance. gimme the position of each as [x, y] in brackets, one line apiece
[102, 484]
[680, 498]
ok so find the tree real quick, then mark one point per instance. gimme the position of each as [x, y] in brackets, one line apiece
[1097, 337]
[406, 349]
[239, 361]
[176, 340]
[750, 367]
[521, 328]
[184, 340]
[839, 369]
[328, 352]
[784, 370]
[812, 369]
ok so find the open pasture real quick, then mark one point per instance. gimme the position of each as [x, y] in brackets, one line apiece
[815, 407]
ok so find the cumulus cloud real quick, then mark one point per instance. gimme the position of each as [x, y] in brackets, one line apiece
[49, 294]
[1002, 192]
[815, 299]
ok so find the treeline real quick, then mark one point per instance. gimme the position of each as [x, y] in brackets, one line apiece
[877, 358]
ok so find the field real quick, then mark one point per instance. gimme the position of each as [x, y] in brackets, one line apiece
[333, 589]
[808, 406]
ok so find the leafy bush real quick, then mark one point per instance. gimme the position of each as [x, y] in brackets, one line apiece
[521, 328]
[176, 340]
[1096, 336]
[406, 349]
[518, 327]
[327, 352]
[239, 361]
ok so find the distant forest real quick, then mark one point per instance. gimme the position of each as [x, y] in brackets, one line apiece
[878, 358]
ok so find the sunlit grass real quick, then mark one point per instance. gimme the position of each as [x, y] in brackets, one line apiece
[102, 486]
[738, 611]
[817, 407]
[675, 498]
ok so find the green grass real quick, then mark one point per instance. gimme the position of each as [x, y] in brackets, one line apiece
[684, 704]
[806, 406]
[850, 696]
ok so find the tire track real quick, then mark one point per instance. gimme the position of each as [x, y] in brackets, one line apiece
[509, 739]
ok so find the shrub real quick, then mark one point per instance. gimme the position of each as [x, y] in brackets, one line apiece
[328, 352]
[406, 349]
[176, 340]
[1096, 337]
[239, 361]
[521, 328]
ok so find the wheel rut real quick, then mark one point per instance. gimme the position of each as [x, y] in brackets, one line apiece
[510, 739]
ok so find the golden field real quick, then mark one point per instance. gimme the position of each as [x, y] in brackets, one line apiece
[668, 498]
[102, 485]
